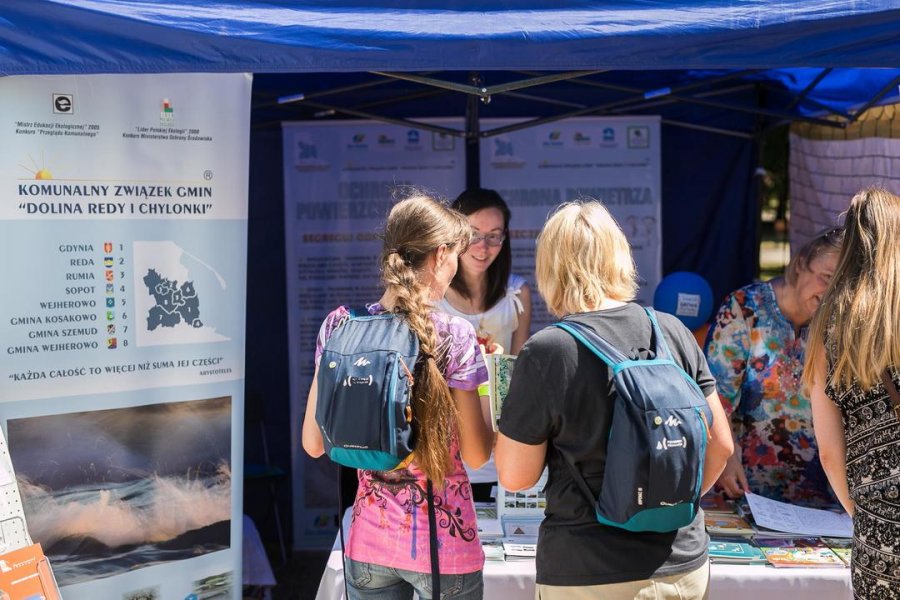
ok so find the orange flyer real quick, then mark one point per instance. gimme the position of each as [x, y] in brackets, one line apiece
[25, 575]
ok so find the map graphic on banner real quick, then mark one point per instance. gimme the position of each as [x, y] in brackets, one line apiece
[340, 183]
[171, 302]
[123, 224]
[615, 160]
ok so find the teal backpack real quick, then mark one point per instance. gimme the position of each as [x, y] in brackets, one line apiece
[657, 440]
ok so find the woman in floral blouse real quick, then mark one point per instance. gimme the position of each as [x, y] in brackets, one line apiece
[755, 350]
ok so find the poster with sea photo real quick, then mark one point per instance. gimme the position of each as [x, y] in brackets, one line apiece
[123, 231]
[126, 488]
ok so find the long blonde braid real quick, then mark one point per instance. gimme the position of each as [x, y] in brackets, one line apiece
[415, 228]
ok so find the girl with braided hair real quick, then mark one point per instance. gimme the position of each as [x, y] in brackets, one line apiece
[388, 545]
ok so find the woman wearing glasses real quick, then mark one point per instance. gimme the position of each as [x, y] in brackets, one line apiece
[484, 292]
[755, 349]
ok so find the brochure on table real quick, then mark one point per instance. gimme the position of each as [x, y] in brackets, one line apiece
[781, 516]
[521, 512]
[500, 370]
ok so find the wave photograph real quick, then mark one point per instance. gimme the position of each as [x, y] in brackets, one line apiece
[110, 491]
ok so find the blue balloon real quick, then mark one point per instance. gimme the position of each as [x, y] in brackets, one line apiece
[685, 295]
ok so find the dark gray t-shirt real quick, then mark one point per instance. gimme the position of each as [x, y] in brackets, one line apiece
[560, 393]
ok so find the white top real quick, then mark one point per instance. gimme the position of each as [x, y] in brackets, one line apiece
[500, 321]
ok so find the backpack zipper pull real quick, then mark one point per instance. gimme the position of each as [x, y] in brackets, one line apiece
[705, 424]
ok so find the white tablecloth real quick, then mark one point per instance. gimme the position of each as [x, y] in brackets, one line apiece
[514, 580]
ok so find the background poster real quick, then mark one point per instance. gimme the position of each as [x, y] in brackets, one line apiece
[828, 166]
[123, 256]
[340, 181]
[612, 159]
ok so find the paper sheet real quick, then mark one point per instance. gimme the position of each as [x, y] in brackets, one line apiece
[781, 516]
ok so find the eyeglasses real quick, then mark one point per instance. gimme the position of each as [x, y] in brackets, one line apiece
[491, 239]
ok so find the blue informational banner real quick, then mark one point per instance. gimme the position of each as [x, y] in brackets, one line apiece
[615, 160]
[123, 260]
[340, 181]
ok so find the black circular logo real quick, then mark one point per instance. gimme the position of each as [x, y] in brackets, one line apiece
[62, 104]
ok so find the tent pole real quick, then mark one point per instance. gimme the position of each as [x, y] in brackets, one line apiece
[893, 84]
[486, 92]
[675, 95]
[708, 129]
[473, 137]
[400, 99]
[806, 91]
[757, 179]
[302, 97]
[395, 121]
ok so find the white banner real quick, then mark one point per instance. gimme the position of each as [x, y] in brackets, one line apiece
[825, 174]
[612, 159]
[338, 181]
[123, 257]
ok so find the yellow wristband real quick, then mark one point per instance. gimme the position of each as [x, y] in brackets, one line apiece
[484, 389]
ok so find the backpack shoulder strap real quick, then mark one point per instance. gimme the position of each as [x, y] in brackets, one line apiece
[359, 311]
[593, 341]
[662, 348]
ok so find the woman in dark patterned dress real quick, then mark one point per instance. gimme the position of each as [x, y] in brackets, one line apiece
[852, 361]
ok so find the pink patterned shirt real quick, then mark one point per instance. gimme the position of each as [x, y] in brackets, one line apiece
[390, 514]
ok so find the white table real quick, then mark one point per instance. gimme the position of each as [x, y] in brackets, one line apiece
[514, 580]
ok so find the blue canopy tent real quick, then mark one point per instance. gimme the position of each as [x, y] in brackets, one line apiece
[720, 73]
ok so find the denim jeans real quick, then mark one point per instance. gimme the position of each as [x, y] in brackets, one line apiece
[367, 581]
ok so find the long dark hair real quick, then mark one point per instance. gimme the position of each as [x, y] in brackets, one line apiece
[471, 201]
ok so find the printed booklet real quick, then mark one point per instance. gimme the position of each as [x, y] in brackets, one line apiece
[721, 524]
[500, 370]
[798, 552]
[840, 546]
[735, 552]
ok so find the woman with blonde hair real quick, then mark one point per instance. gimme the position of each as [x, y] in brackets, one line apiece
[558, 413]
[853, 372]
[388, 545]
